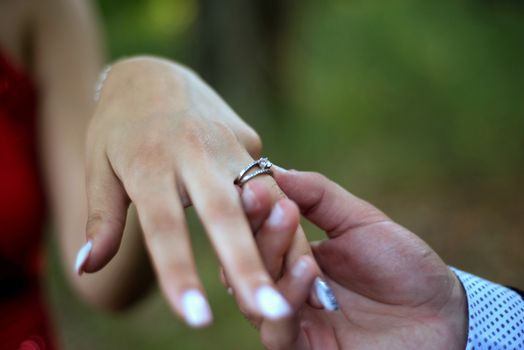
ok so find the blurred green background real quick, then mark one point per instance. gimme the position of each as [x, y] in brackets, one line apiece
[417, 106]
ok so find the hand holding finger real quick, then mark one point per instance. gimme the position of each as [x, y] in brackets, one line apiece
[276, 234]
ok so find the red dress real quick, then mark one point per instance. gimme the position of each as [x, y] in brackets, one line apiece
[23, 317]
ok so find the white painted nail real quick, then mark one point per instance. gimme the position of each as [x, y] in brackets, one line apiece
[82, 255]
[299, 268]
[271, 304]
[276, 216]
[196, 309]
[325, 295]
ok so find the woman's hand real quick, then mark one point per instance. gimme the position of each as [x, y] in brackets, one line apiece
[162, 139]
[393, 290]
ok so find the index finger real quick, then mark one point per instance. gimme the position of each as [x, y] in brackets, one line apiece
[299, 245]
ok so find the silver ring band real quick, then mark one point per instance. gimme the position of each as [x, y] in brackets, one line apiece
[265, 169]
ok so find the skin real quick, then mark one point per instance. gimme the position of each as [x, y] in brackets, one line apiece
[394, 291]
[177, 153]
[158, 140]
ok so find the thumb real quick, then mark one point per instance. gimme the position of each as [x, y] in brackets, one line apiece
[107, 211]
[325, 203]
[333, 258]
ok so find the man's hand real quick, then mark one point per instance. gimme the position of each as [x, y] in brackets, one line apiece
[393, 290]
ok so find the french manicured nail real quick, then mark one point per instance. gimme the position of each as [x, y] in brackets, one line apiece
[325, 295]
[82, 255]
[196, 308]
[271, 304]
[299, 268]
[276, 216]
[249, 199]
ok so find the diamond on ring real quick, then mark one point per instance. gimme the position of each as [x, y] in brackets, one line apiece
[264, 163]
[264, 166]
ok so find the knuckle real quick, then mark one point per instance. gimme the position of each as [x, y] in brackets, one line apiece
[193, 135]
[147, 184]
[149, 151]
[98, 217]
[158, 221]
[253, 143]
[317, 177]
[152, 156]
[220, 209]
[94, 219]
[248, 267]
[207, 137]
[318, 183]
[223, 130]
[159, 226]
[186, 274]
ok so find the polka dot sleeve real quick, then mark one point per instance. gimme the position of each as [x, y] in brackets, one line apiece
[496, 314]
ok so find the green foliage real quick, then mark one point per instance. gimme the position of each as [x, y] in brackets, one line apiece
[417, 85]
[159, 27]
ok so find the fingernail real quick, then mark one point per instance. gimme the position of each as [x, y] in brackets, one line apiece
[277, 215]
[196, 308]
[299, 268]
[249, 199]
[271, 303]
[230, 291]
[325, 295]
[82, 255]
[315, 244]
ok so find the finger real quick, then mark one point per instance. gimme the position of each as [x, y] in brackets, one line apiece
[107, 211]
[325, 203]
[296, 282]
[218, 204]
[295, 286]
[267, 192]
[166, 235]
[276, 235]
[257, 203]
[275, 240]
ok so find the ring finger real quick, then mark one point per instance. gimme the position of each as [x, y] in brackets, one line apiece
[218, 204]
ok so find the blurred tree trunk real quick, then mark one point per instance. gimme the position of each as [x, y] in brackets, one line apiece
[241, 46]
